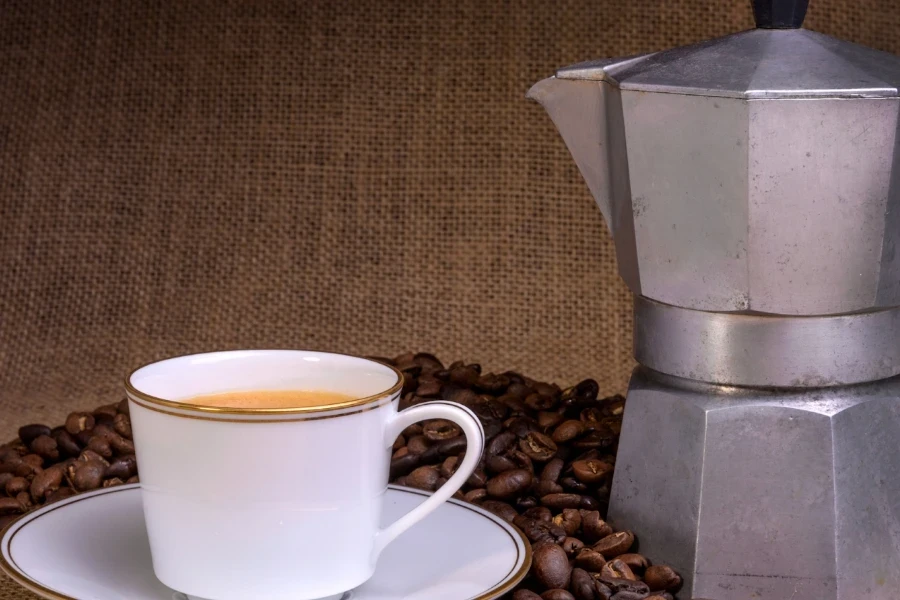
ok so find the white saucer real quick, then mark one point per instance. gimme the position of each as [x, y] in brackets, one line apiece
[94, 547]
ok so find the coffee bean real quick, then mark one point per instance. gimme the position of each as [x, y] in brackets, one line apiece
[476, 496]
[123, 408]
[552, 469]
[571, 546]
[24, 500]
[500, 444]
[582, 394]
[89, 455]
[538, 446]
[10, 506]
[636, 562]
[112, 482]
[602, 591]
[45, 447]
[4, 479]
[501, 509]
[78, 422]
[590, 560]
[509, 483]
[591, 471]
[581, 585]
[567, 431]
[525, 595]
[403, 465]
[400, 442]
[100, 446]
[615, 544]
[548, 420]
[441, 429]
[551, 565]
[84, 476]
[561, 501]
[569, 520]
[540, 531]
[46, 482]
[594, 527]
[122, 425]
[444, 448]
[122, 467]
[539, 513]
[661, 577]
[134, 479]
[616, 569]
[16, 485]
[108, 410]
[424, 478]
[28, 433]
[448, 467]
[557, 594]
[499, 464]
[660, 596]
[66, 444]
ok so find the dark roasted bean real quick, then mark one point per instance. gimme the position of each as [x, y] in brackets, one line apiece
[636, 562]
[78, 422]
[28, 433]
[662, 578]
[551, 565]
[582, 585]
[424, 478]
[509, 483]
[538, 446]
[615, 544]
[45, 447]
[567, 431]
[590, 560]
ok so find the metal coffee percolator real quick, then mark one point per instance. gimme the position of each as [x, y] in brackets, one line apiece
[752, 186]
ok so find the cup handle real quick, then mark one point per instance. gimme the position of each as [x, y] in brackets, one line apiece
[471, 427]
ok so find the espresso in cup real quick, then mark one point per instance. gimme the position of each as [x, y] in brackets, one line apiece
[263, 471]
[263, 399]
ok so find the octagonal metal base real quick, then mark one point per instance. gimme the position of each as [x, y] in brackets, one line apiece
[761, 494]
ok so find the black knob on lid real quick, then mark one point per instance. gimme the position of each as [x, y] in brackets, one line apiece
[779, 14]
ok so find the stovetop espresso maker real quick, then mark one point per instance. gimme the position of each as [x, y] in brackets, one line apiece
[752, 186]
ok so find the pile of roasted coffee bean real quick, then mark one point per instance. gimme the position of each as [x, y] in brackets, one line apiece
[547, 468]
[91, 450]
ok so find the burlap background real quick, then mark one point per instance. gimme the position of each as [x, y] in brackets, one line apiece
[359, 176]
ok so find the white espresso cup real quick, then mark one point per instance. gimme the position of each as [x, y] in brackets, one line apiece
[274, 503]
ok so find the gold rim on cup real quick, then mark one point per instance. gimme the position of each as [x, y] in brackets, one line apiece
[135, 394]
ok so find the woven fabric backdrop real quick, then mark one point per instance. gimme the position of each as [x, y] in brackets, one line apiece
[365, 177]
